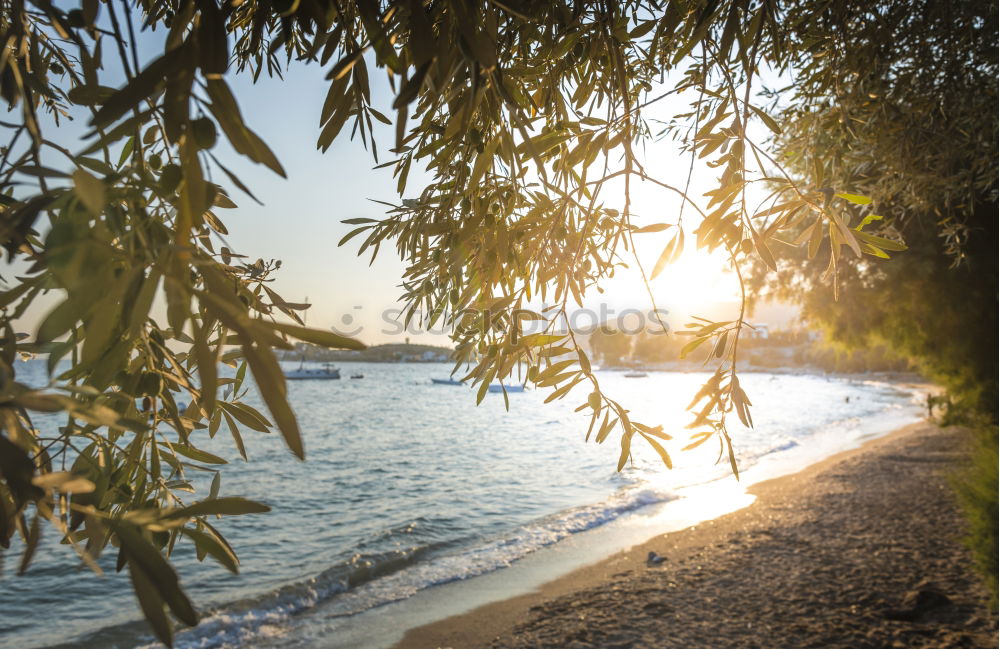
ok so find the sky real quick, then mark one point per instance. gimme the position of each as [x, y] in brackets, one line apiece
[300, 221]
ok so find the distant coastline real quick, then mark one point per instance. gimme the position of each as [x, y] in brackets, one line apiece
[388, 353]
[779, 352]
[779, 360]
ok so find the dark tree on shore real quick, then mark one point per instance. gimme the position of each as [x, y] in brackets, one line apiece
[906, 112]
[528, 116]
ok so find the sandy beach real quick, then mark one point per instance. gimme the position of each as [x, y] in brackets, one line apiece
[858, 551]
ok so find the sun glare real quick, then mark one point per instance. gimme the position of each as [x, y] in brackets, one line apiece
[697, 280]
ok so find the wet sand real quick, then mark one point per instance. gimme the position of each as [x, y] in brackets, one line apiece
[859, 551]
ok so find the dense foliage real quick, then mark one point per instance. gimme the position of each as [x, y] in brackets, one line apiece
[907, 114]
[527, 116]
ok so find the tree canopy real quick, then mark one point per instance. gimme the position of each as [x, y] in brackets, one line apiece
[528, 117]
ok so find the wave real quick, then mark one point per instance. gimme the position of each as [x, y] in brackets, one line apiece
[497, 553]
[368, 580]
[784, 446]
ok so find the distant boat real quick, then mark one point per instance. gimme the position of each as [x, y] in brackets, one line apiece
[326, 372]
[357, 376]
[635, 375]
[496, 387]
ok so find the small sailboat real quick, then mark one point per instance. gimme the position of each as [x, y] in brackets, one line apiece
[446, 382]
[497, 387]
[326, 372]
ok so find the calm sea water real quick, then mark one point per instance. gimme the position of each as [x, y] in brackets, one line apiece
[409, 485]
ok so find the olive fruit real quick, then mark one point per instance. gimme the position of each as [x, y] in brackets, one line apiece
[170, 177]
[203, 130]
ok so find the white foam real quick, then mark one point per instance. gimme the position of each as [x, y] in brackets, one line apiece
[230, 629]
[494, 554]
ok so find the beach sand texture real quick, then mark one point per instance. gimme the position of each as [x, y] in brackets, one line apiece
[859, 551]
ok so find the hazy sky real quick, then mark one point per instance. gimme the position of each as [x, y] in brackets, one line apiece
[300, 221]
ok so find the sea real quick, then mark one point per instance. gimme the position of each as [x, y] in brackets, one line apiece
[414, 503]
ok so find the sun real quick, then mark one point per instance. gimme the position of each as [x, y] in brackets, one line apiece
[697, 281]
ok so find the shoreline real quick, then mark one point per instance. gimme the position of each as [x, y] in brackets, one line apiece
[620, 601]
